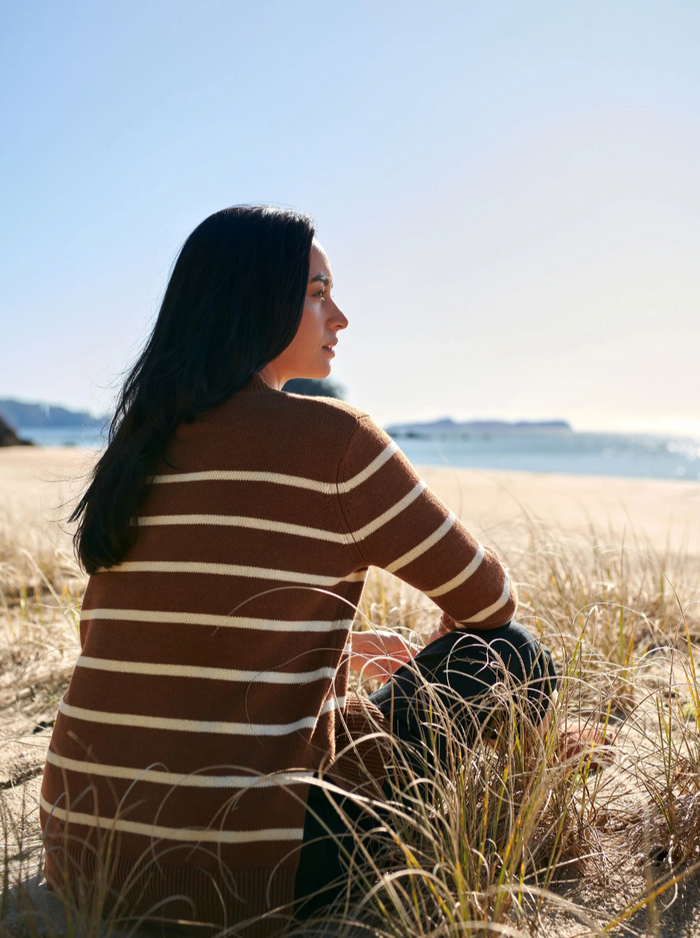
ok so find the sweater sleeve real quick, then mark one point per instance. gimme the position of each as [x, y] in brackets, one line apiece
[399, 524]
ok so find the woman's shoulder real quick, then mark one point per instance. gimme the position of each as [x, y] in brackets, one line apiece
[327, 424]
[339, 417]
[314, 434]
[332, 405]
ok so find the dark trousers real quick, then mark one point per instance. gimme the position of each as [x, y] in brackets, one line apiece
[460, 667]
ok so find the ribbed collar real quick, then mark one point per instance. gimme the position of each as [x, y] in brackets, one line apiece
[257, 385]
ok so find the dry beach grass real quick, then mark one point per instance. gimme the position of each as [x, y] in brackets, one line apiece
[514, 839]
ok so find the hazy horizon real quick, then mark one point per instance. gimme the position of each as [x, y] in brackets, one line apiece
[689, 430]
[509, 195]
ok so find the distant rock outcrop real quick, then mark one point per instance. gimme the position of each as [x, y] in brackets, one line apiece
[447, 427]
[314, 387]
[8, 437]
[40, 416]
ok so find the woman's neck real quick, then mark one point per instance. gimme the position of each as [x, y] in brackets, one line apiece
[270, 377]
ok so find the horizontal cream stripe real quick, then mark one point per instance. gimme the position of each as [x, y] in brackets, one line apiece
[199, 726]
[424, 545]
[393, 511]
[369, 470]
[281, 478]
[171, 778]
[210, 674]
[173, 833]
[461, 577]
[494, 607]
[258, 524]
[240, 475]
[231, 569]
[333, 703]
[283, 527]
[236, 622]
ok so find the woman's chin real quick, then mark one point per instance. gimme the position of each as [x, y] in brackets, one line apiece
[324, 368]
[317, 373]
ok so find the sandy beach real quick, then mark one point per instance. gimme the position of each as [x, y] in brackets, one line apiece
[37, 484]
[549, 528]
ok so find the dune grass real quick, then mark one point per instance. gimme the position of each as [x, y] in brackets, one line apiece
[513, 836]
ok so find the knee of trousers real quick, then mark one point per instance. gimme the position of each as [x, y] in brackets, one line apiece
[465, 664]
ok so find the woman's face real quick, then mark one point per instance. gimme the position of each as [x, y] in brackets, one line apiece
[309, 354]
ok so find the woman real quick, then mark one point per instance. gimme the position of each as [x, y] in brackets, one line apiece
[227, 531]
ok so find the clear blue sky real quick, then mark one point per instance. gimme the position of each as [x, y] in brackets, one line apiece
[509, 193]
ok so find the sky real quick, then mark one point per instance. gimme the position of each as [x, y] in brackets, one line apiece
[508, 192]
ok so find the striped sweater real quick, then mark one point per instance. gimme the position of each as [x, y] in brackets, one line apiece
[212, 680]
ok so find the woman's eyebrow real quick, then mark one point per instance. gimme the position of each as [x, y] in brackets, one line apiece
[322, 277]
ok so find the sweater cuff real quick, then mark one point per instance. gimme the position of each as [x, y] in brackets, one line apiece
[447, 624]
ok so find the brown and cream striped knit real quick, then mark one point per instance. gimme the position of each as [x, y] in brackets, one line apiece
[212, 682]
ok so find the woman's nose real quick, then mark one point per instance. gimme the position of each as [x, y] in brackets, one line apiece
[342, 319]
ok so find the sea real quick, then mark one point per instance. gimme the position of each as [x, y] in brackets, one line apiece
[631, 455]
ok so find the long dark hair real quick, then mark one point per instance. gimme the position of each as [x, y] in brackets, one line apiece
[233, 303]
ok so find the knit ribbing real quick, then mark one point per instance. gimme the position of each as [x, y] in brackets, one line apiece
[212, 682]
[257, 385]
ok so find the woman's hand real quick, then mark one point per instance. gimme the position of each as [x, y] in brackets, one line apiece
[582, 742]
[379, 653]
[587, 743]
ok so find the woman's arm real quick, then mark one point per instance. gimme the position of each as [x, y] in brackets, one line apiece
[396, 522]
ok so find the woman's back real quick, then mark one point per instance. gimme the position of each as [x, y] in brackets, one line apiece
[209, 655]
[213, 653]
